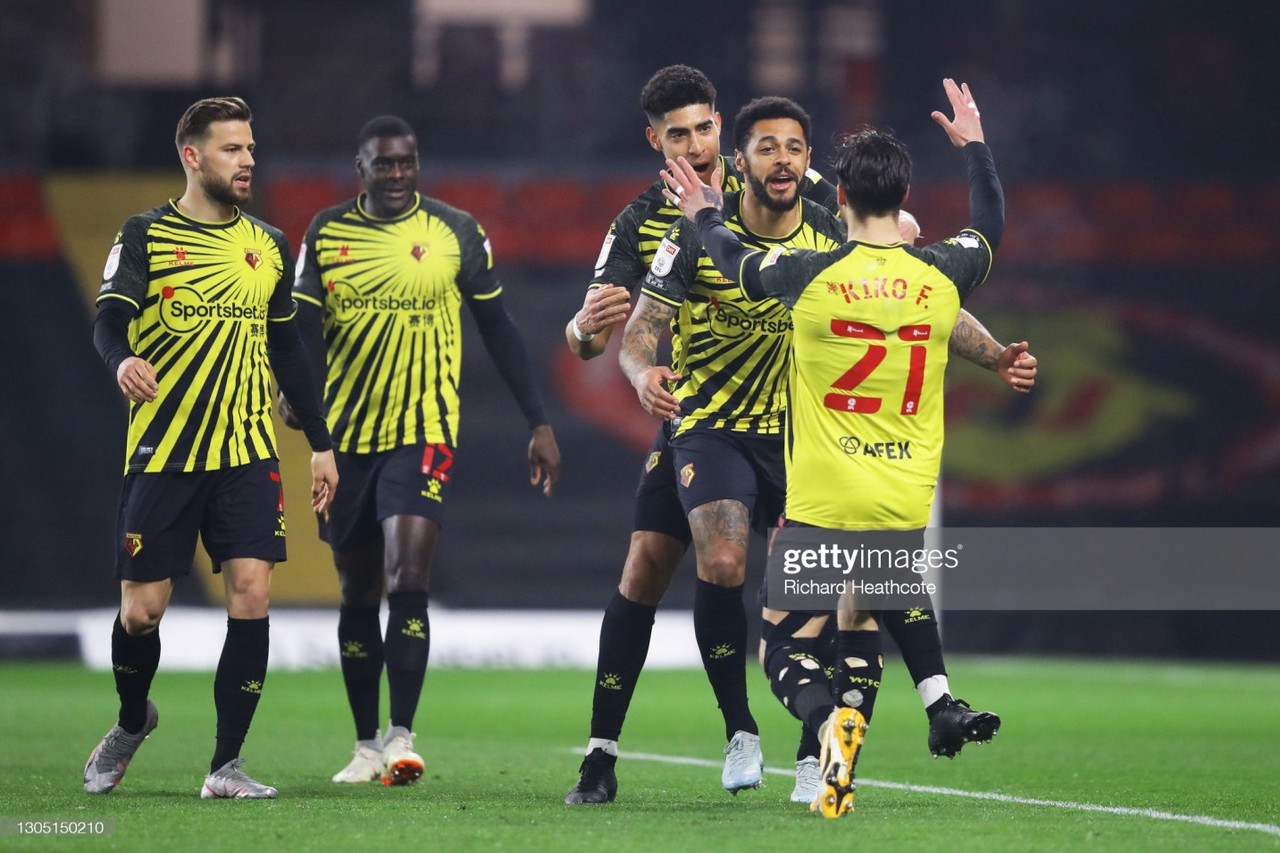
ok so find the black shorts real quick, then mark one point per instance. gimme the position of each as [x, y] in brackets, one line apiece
[716, 465]
[409, 480]
[237, 512]
[657, 506]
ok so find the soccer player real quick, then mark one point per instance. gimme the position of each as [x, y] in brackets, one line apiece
[797, 647]
[381, 279]
[679, 103]
[863, 366]
[727, 404]
[194, 302]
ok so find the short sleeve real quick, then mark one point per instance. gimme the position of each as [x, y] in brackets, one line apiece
[675, 265]
[307, 284]
[282, 306]
[620, 261]
[476, 278]
[127, 269]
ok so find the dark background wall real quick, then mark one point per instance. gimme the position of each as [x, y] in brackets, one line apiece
[1134, 141]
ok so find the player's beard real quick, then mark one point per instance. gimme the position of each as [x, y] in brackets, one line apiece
[777, 205]
[223, 191]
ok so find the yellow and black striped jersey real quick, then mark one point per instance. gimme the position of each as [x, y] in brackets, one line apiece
[736, 351]
[204, 292]
[391, 290]
[635, 233]
[865, 415]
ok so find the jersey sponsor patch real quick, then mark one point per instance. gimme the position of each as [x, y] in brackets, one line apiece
[113, 262]
[664, 258]
[302, 258]
[969, 241]
[604, 253]
[772, 258]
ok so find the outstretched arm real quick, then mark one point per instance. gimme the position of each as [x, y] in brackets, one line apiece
[639, 355]
[986, 198]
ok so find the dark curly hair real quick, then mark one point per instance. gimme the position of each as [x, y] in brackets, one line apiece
[762, 109]
[674, 87]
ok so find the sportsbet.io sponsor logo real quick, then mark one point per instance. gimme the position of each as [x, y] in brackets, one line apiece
[349, 305]
[729, 321]
[183, 310]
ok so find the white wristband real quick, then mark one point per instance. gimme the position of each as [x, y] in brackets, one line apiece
[578, 333]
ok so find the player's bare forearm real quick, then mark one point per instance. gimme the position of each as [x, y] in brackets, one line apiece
[639, 355]
[587, 350]
[640, 340]
[971, 341]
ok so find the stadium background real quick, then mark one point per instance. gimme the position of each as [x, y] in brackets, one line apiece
[1135, 143]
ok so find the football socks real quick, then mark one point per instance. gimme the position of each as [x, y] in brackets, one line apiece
[625, 632]
[133, 661]
[720, 626]
[408, 643]
[237, 686]
[859, 666]
[360, 651]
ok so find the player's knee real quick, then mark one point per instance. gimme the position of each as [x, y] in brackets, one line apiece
[248, 597]
[723, 566]
[140, 618]
[857, 620]
[651, 561]
[407, 577]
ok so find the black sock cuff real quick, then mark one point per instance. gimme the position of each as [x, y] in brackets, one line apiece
[249, 628]
[865, 644]
[358, 610]
[620, 605]
[711, 590]
[407, 600]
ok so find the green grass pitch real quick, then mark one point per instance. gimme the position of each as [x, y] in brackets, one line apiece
[1162, 744]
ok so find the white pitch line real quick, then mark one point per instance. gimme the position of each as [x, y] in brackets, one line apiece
[1152, 814]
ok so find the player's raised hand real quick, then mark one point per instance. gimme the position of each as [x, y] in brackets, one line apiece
[324, 480]
[966, 127]
[686, 190]
[137, 379]
[544, 459]
[1017, 367]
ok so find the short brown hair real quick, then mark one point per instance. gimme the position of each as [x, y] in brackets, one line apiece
[194, 124]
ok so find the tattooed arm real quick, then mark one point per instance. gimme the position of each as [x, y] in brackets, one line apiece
[971, 341]
[640, 353]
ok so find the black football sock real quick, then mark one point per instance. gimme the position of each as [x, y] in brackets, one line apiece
[810, 746]
[916, 633]
[133, 661]
[859, 666]
[720, 626]
[407, 647]
[799, 681]
[237, 686]
[360, 647]
[625, 632]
